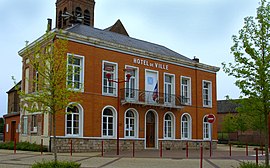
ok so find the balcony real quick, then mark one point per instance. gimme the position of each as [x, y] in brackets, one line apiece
[148, 98]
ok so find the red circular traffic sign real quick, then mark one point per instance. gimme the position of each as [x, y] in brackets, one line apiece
[211, 118]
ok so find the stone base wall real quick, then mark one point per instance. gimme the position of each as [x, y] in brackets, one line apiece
[180, 144]
[91, 145]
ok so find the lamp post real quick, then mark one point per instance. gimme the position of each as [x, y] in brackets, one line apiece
[108, 76]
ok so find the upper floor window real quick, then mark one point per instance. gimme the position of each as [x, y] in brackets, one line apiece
[109, 87]
[168, 89]
[26, 81]
[75, 72]
[36, 82]
[207, 93]
[131, 85]
[186, 90]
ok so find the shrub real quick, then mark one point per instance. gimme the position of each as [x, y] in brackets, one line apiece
[26, 146]
[59, 164]
[250, 165]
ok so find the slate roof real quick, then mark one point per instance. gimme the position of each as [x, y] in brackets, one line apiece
[124, 40]
[17, 86]
[226, 106]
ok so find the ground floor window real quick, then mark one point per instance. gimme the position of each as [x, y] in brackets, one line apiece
[130, 124]
[108, 122]
[206, 129]
[185, 127]
[73, 121]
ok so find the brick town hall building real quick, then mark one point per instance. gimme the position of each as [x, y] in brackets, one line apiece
[166, 99]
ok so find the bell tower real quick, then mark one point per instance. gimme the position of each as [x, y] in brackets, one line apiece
[69, 12]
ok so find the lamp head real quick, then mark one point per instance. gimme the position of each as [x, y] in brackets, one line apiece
[128, 76]
[108, 75]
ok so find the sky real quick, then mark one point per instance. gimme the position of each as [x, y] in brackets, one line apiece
[201, 28]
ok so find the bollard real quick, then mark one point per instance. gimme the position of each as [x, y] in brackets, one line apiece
[201, 160]
[161, 149]
[256, 156]
[246, 149]
[14, 145]
[133, 147]
[186, 149]
[230, 149]
[71, 147]
[41, 147]
[102, 144]
[210, 149]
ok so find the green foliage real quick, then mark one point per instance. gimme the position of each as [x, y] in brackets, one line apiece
[229, 124]
[58, 164]
[251, 68]
[25, 146]
[250, 165]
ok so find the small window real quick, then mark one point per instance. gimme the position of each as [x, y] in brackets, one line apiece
[34, 123]
[25, 125]
[60, 19]
[206, 129]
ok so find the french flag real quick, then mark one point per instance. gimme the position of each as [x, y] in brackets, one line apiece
[155, 93]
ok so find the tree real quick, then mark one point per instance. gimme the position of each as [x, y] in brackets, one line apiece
[229, 124]
[50, 89]
[251, 67]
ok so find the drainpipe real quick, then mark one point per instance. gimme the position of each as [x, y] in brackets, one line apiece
[196, 60]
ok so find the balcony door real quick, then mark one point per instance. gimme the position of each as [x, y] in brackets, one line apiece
[151, 86]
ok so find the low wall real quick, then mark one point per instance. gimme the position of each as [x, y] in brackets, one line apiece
[89, 145]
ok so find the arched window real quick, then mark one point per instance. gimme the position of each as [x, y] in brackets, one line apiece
[86, 18]
[60, 19]
[78, 12]
[73, 121]
[186, 127]
[108, 123]
[168, 126]
[206, 129]
[130, 124]
[65, 19]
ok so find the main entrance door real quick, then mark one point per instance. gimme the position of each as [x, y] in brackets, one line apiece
[150, 130]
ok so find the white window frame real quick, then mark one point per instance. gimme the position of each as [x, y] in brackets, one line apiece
[114, 122]
[25, 125]
[136, 87]
[172, 88]
[26, 80]
[136, 124]
[189, 97]
[81, 119]
[114, 84]
[81, 88]
[165, 130]
[7, 128]
[209, 93]
[206, 129]
[34, 123]
[188, 124]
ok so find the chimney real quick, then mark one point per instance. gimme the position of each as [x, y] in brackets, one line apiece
[49, 25]
[196, 59]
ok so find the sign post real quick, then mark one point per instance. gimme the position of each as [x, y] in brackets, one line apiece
[211, 119]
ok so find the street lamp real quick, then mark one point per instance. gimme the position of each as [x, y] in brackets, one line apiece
[108, 76]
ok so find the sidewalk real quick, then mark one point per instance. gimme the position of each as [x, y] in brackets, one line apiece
[147, 158]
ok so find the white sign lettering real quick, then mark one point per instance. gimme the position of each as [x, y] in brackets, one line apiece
[150, 64]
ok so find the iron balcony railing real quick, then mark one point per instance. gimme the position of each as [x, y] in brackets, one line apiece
[135, 96]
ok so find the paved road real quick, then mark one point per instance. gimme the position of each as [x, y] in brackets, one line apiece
[149, 158]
